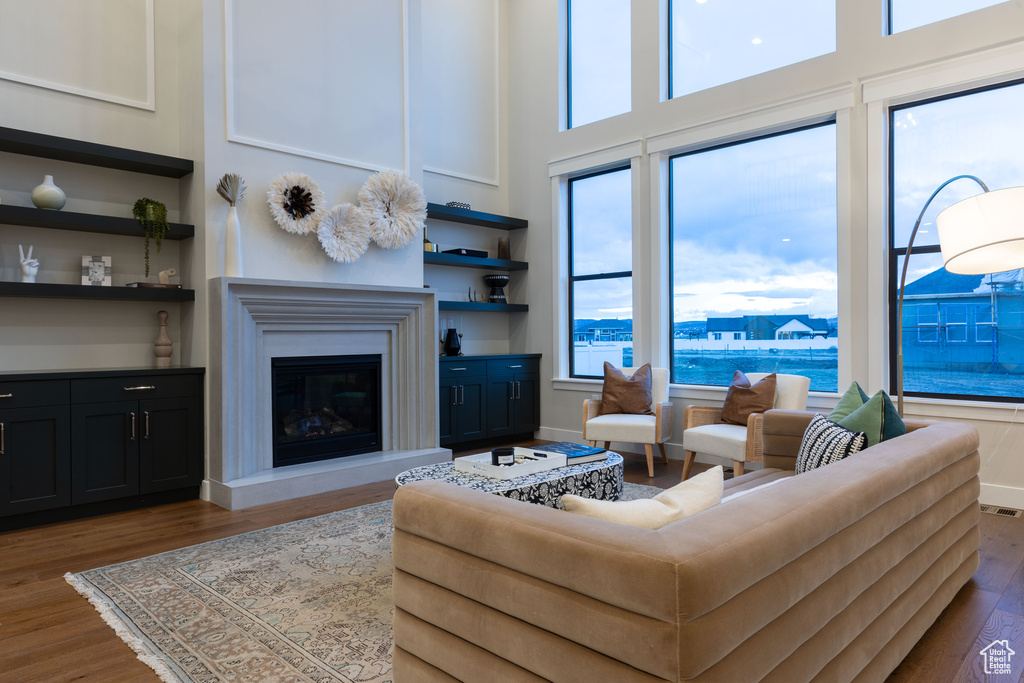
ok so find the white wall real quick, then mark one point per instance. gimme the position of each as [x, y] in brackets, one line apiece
[337, 90]
[854, 84]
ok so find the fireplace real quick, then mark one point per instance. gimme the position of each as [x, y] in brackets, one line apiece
[254, 322]
[325, 407]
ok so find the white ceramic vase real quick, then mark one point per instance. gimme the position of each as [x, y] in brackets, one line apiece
[48, 195]
[233, 246]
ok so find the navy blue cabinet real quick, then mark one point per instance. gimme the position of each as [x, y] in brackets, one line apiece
[490, 398]
[86, 442]
[35, 450]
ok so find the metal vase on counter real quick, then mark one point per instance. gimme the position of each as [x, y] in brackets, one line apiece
[452, 345]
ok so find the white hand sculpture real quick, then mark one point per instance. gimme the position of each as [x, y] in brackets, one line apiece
[29, 266]
[165, 275]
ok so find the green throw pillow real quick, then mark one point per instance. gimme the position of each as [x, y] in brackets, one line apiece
[853, 398]
[877, 418]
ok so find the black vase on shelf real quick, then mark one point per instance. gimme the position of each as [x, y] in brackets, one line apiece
[496, 282]
[452, 345]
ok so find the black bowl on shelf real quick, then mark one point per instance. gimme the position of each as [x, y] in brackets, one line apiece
[496, 281]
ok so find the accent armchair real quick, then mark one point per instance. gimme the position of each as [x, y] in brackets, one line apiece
[704, 431]
[645, 429]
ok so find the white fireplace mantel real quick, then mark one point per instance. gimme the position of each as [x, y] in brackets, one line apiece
[253, 321]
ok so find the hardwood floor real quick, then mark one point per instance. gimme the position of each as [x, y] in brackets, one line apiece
[49, 633]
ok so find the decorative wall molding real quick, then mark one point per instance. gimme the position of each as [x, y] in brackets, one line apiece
[495, 175]
[233, 135]
[465, 176]
[148, 104]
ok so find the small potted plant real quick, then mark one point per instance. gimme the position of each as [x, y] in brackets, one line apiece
[152, 216]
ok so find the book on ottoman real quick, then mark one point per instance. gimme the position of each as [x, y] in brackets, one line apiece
[574, 453]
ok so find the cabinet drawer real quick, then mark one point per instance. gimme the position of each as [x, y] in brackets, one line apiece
[508, 366]
[103, 389]
[34, 394]
[462, 369]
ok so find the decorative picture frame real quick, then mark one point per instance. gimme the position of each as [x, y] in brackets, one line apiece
[96, 271]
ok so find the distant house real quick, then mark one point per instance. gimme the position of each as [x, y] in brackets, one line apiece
[754, 327]
[964, 322]
[603, 330]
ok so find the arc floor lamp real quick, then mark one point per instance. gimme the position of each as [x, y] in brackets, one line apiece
[980, 235]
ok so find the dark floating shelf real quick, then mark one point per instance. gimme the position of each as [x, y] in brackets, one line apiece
[80, 152]
[478, 306]
[84, 222]
[486, 220]
[57, 291]
[460, 261]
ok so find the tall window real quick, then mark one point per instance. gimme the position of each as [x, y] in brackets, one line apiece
[714, 42]
[907, 14]
[599, 60]
[976, 133]
[601, 271]
[754, 259]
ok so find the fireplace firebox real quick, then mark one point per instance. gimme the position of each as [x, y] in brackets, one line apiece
[325, 407]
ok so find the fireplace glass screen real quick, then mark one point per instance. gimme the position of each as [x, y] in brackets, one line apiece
[325, 407]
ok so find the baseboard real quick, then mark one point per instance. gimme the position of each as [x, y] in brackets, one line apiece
[1002, 496]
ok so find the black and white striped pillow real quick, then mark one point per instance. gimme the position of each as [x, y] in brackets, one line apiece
[826, 442]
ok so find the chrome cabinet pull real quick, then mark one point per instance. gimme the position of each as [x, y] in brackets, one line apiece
[462, 395]
[518, 387]
[513, 366]
[454, 392]
[6, 395]
[145, 415]
[133, 426]
[139, 388]
[457, 369]
[3, 438]
[511, 391]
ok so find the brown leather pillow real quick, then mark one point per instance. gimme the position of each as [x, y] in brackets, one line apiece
[743, 399]
[626, 395]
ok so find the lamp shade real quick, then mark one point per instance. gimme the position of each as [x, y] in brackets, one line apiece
[984, 233]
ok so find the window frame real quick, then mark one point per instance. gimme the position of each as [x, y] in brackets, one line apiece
[572, 279]
[828, 120]
[671, 60]
[895, 253]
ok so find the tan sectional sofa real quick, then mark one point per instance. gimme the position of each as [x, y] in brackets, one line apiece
[830, 575]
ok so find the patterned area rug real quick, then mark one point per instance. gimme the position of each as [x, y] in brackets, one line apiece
[308, 601]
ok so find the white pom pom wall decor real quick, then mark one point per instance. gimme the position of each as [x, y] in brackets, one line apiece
[395, 208]
[296, 203]
[344, 233]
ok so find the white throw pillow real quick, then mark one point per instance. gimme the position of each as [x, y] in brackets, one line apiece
[682, 500]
